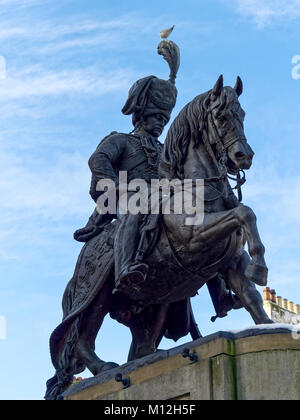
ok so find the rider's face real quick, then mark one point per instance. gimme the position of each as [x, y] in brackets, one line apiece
[155, 124]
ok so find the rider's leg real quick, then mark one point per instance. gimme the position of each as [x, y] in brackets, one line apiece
[127, 269]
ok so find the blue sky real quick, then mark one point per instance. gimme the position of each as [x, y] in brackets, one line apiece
[69, 65]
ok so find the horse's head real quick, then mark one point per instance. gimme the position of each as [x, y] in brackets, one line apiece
[226, 127]
[214, 120]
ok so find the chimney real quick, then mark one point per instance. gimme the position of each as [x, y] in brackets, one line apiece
[284, 303]
[297, 309]
[279, 301]
[273, 295]
[267, 294]
[291, 306]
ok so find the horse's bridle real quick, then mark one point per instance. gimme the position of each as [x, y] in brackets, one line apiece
[222, 148]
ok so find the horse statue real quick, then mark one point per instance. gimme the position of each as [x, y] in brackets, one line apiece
[206, 141]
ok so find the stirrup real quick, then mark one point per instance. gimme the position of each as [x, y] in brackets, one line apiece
[131, 279]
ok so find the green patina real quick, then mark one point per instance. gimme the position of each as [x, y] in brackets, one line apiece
[231, 349]
[297, 381]
[217, 371]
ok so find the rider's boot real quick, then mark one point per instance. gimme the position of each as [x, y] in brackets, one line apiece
[223, 299]
[227, 302]
[130, 248]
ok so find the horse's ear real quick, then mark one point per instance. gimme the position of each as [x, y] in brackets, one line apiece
[217, 90]
[239, 86]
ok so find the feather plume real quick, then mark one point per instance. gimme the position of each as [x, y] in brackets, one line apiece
[171, 53]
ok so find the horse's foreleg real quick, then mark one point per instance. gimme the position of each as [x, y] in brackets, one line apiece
[246, 290]
[256, 248]
[218, 226]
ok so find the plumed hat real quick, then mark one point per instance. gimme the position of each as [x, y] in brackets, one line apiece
[152, 95]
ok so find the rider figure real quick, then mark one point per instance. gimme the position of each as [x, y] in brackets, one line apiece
[150, 102]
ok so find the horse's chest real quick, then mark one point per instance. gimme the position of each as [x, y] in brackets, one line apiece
[176, 274]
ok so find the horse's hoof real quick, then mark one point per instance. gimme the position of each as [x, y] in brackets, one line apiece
[108, 366]
[257, 273]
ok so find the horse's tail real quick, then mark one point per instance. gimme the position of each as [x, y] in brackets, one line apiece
[63, 343]
[94, 266]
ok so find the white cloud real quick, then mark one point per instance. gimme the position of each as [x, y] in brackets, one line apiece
[36, 81]
[39, 202]
[12, 32]
[35, 197]
[50, 35]
[47, 37]
[264, 12]
[46, 30]
[21, 3]
[52, 192]
[277, 196]
[6, 256]
[108, 40]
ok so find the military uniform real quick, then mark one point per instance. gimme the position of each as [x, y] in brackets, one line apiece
[139, 155]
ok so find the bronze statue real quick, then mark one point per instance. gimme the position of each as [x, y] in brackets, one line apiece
[160, 262]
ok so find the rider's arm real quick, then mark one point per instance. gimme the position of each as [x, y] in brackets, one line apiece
[103, 161]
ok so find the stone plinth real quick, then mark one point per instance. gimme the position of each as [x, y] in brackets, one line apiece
[255, 364]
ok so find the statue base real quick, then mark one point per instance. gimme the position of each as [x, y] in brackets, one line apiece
[260, 363]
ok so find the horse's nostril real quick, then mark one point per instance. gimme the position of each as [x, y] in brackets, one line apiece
[240, 155]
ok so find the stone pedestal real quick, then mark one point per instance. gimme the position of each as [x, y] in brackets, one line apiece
[255, 364]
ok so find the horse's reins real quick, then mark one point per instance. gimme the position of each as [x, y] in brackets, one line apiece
[221, 164]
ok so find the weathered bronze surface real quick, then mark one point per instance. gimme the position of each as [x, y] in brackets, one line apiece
[143, 270]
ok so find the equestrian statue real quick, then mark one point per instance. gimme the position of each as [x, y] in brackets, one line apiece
[142, 268]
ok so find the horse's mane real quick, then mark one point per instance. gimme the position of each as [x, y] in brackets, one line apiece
[187, 126]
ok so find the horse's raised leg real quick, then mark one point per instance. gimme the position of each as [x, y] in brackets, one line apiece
[256, 269]
[146, 329]
[219, 226]
[246, 290]
[90, 324]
